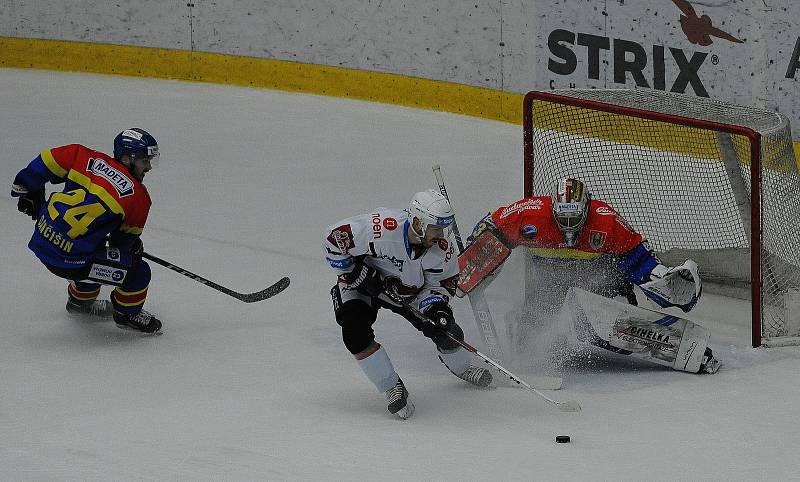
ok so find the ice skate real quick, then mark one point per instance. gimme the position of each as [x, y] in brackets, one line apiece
[142, 321]
[398, 400]
[95, 308]
[710, 364]
[480, 377]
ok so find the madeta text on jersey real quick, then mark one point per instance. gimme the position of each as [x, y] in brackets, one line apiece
[121, 183]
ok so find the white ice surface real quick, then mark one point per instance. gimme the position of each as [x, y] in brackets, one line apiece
[267, 391]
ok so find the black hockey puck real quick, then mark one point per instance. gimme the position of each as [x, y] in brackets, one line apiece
[562, 439]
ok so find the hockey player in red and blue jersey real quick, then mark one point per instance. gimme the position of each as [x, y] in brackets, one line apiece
[409, 256]
[89, 233]
[575, 240]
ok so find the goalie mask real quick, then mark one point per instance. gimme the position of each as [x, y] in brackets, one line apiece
[570, 208]
[434, 213]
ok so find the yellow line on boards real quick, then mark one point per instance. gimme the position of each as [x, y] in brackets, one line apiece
[262, 73]
[265, 73]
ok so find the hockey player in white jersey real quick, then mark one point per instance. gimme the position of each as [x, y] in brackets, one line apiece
[410, 257]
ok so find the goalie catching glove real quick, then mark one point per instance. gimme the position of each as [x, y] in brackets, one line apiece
[679, 286]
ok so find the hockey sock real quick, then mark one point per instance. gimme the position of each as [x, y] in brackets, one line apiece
[456, 361]
[379, 369]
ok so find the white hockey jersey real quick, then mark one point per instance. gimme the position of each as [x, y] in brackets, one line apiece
[381, 237]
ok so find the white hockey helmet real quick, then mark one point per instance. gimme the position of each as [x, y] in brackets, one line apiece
[571, 203]
[433, 210]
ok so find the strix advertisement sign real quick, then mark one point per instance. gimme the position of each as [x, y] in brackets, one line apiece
[658, 45]
[738, 51]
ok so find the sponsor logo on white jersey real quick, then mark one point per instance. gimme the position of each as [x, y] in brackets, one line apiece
[120, 181]
[377, 224]
[527, 205]
[342, 238]
[398, 263]
[447, 247]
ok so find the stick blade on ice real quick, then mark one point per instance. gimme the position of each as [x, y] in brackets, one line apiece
[267, 292]
[569, 406]
[546, 383]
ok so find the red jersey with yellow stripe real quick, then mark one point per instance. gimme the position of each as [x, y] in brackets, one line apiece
[100, 201]
[529, 222]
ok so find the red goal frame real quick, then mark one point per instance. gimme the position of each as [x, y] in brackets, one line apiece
[755, 170]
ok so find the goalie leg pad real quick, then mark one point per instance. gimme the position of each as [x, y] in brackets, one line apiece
[692, 348]
[670, 341]
[630, 330]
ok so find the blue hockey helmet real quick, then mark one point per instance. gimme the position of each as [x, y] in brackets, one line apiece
[136, 143]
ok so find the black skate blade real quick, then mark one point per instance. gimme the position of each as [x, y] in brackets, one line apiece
[143, 333]
[87, 318]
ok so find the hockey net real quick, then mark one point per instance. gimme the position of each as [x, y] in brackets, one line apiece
[699, 178]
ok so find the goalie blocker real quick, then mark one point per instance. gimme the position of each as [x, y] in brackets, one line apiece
[479, 262]
[646, 334]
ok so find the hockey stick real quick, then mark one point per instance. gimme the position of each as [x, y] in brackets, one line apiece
[437, 171]
[477, 300]
[268, 292]
[563, 405]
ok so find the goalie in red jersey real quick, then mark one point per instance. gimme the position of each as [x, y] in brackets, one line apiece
[574, 241]
[89, 233]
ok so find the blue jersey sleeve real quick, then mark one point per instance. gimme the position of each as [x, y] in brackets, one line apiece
[35, 176]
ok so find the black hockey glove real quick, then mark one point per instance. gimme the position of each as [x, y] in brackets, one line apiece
[399, 294]
[31, 202]
[364, 279]
[439, 318]
[137, 248]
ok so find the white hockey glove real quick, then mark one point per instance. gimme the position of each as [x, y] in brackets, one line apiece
[679, 286]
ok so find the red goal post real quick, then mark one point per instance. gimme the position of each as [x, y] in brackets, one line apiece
[699, 178]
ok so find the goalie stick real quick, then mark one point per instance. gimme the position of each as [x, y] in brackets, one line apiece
[563, 405]
[477, 300]
[267, 292]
